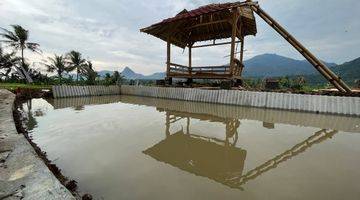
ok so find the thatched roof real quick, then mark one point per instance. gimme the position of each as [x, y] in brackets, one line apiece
[208, 22]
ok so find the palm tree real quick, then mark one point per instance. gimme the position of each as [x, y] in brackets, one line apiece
[117, 78]
[7, 62]
[89, 73]
[18, 40]
[58, 64]
[77, 62]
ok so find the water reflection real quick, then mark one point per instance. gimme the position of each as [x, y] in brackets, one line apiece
[218, 159]
[28, 115]
[197, 150]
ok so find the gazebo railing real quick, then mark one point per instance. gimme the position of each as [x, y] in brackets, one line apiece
[182, 69]
[176, 68]
[211, 69]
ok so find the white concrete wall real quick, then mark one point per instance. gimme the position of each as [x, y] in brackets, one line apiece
[62, 91]
[297, 102]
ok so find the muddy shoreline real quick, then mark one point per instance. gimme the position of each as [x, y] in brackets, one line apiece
[21, 97]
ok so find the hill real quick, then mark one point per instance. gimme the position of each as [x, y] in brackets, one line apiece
[272, 65]
[128, 73]
[349, 72]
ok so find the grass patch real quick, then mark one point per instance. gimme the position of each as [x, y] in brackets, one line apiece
[14, 86]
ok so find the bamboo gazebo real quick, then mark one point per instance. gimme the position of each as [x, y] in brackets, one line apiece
[223, 21]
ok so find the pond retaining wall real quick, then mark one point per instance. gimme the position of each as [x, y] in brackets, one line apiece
[61, 91]
[297, 102]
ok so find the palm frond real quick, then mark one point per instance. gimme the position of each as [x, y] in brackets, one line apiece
[33, 47]
[21, 33]
[9, 35]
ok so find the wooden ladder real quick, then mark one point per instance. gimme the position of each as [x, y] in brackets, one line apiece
[320, 66]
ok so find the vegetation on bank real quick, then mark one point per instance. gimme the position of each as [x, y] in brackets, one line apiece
[16, 70]
[14, 86]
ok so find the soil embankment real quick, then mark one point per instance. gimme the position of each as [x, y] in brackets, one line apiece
[25, 171]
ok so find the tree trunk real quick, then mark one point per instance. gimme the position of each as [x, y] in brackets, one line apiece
[24, 73]
[77, 74]
[22, 63]
[60, 77]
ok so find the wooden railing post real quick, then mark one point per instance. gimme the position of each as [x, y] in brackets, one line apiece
[235, 18]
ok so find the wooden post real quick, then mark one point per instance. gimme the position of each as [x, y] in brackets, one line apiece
[168, 58]
[242, 50]
[242, 55]
[233, 37]
[189, 81]
[190, 61]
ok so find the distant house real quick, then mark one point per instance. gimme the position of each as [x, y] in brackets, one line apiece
[272, 83]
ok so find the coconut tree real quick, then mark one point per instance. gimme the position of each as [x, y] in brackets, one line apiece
[58, 63]
[89, 73]
[18, 40]
[76, 62]
[117, 78]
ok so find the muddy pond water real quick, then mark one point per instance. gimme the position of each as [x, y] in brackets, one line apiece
[126, 147]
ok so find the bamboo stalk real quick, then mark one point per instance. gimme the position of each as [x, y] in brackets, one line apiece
[321, 67]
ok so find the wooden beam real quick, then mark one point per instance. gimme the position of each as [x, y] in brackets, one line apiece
[208, 23]
[177, 65]
[214, 44]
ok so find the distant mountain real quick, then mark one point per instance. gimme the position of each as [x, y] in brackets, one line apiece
[130, 74]
[272, 65]
[102, 73]
[265, 65]
[349, 72]
[156, 76]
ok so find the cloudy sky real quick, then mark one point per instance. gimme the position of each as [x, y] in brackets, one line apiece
[107, 31]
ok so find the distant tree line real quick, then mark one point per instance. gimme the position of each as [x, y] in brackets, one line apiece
[14, 68]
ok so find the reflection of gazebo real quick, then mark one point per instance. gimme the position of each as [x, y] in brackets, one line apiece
[199, 156]
[214, 158]
[222, 21]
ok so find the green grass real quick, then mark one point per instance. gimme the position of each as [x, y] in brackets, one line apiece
[14, 86]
